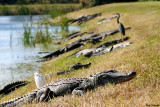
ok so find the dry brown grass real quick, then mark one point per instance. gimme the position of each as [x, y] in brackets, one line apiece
[142, 57]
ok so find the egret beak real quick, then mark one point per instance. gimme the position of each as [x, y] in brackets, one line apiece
[115, 13]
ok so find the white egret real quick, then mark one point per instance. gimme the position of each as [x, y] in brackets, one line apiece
[39, 80]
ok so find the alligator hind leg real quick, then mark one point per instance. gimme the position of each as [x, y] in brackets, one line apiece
[45, 95]
[78, 91]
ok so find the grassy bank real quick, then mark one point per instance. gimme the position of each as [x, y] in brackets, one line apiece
[143, 57]
[36, 9]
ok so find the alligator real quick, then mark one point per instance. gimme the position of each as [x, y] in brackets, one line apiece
[77, 86]
[74, 67]
[11, 87]
[83, 19]
[73, 36]
[106, 44]
[73, 33]
[101, 50]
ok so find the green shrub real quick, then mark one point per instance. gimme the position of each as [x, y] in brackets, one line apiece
[5, 10]
[54, 9]
[24, 10]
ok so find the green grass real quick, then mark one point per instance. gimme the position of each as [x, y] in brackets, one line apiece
[142, 57]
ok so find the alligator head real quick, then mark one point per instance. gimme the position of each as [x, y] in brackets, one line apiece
[113, 76]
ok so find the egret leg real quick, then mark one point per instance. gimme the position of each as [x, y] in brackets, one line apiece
[121, 36]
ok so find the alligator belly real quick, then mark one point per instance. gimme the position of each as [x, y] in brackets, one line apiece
[63, 89]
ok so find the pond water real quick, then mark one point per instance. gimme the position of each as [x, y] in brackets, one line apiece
[18, 62]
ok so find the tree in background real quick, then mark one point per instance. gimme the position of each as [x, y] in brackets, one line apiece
[8, 1]
[84, 3]
[36, 1]
[23, 2]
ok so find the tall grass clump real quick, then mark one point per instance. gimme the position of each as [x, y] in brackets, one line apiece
[28, 40]
[64, 26]
[55, 13]
[42, 35]
[62, 20]
[64, 23]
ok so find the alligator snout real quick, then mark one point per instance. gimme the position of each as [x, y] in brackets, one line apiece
[133, 73]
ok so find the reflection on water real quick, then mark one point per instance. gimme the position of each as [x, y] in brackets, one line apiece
[16, 61]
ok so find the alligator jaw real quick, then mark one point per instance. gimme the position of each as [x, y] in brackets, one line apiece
[126, 77]
[113, 76]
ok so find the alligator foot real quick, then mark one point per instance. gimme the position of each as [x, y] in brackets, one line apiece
[78, 92]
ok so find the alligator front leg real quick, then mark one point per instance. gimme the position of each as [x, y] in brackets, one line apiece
[82, 89]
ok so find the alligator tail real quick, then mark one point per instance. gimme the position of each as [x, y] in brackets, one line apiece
[11, 87]
[27, 98]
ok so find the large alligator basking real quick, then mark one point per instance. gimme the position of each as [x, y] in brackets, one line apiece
[76, 86]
